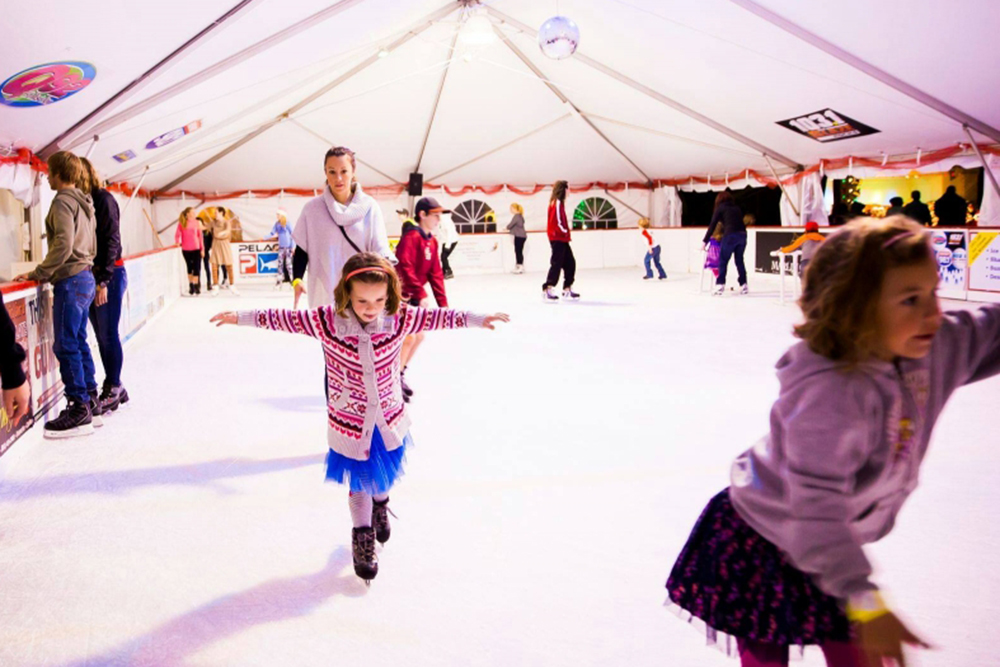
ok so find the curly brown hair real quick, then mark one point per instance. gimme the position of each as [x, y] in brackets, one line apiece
[382, 273]
[843, 283]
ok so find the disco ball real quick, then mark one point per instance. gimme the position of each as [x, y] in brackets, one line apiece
[558, 37]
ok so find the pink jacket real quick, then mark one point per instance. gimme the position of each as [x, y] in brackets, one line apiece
[189, 237]
[362, 366]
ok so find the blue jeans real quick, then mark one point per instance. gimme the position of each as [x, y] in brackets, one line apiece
[653, 256]
[733, 245]
[105, 321]
[70, 304]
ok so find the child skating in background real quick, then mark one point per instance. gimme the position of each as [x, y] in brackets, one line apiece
[808, 243]
[368, 426]
[652, 252]
[713, 251]
[282, 233]
[777, 558]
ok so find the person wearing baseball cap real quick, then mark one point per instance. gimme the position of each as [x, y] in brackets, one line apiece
[417, 265]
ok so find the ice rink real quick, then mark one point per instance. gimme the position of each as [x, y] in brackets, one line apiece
[560, 463]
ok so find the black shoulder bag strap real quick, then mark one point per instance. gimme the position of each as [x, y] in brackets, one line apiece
[344, 232]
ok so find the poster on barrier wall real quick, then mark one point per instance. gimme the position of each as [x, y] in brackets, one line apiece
[984, 261]
[952, 256]
[9, 430]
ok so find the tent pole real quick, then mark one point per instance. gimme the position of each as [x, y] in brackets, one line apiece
[783, 190]
[330, 143]
[659, 97]
[500, 148]
[213, 29]
[93, 145]
[565, 100]
[437, 101]
[880, 75]
[982, 158]
[624, 204]
[134, 192]
[225, 64]
[423, 25]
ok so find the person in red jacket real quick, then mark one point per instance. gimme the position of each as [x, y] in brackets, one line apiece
[419, 264]
[562, 255]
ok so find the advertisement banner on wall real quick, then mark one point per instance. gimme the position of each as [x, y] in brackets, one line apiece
[10, 430]
[477, 254]
[768, 242]
[257, 259]
[984, 261]
[952, 258]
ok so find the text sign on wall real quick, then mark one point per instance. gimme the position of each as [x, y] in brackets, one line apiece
[827, 125]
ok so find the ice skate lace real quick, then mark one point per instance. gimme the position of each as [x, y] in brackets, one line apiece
[364, 547]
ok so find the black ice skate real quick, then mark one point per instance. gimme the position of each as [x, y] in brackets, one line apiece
[74, 420]
[570, 295]
[112, 398]
[363, 546]
[380, 520]
[407, 392]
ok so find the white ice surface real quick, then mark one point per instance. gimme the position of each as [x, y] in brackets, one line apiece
[559, 465]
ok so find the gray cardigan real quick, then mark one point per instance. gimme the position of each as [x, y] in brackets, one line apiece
[516, 227]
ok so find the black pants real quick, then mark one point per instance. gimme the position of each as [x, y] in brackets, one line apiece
[193, 260]
[446, 250]
[562, 260]
[519, 249]
[207, 261]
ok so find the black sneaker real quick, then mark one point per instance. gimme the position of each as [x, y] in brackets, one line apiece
[380, 520]
[111, 398]
[363, 549]
[95, 410]
[75, 420]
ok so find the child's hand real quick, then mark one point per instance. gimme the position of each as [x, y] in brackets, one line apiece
[881, 640]
[227, 317]
[490, 319]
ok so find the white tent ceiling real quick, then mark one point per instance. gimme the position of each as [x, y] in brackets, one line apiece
[496, 121]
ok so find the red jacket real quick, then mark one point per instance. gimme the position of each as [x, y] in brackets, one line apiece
[558, 224]
[419, 263]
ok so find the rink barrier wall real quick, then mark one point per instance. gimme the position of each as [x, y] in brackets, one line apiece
[154, 282]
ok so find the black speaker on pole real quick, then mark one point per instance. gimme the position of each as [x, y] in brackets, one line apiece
[415, 187]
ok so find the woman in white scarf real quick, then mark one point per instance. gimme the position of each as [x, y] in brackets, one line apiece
[333, 227]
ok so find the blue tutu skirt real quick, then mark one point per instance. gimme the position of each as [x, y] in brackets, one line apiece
[374, 476]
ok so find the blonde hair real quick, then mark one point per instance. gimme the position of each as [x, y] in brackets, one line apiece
[644, 223]
[843, 283]
[183, 219]
[89, 180]
[66, 167]
[718, 233]
[749, 220]
[383, 274]
[517, 208]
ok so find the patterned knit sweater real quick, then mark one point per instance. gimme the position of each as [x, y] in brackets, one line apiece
[362, 367]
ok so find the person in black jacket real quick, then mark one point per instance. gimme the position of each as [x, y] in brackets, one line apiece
[111, 279]
[734, 239]
[951, 208]
[918, 210]
[16, 392]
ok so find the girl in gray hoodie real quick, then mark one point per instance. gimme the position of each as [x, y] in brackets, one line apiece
[777, 558]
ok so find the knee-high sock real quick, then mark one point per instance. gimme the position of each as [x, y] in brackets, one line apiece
[361, 509]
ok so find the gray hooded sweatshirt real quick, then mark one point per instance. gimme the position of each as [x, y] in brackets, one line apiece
[71, 231]
[845, 447]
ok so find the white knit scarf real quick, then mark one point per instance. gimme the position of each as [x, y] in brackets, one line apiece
[353, 211]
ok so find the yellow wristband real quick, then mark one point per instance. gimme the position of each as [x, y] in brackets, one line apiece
[866, 607]
[296, 282]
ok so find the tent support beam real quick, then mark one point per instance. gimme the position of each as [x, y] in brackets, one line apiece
[783, 190]
[326, 141]
[869, 69]
[423, 25]
[500, 148]
[83, 125]
[565, 100]
[659, 97]
[223, 65]
[437, 101]
[982, 158]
